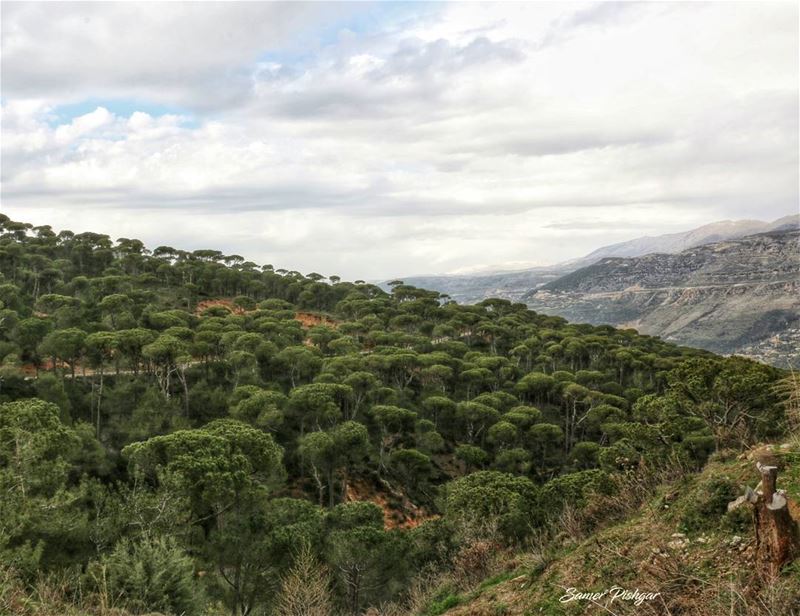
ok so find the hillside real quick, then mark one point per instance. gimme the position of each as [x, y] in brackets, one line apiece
[674, 548]
[739, 296]
[515, 284]
[190, 432]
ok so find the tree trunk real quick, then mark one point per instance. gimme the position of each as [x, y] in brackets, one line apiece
[320, 486]
[185, 384]
[99, 401]
[777, 533]
[91, 401]
[344, 485]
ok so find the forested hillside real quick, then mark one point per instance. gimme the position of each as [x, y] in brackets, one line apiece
[194, 433]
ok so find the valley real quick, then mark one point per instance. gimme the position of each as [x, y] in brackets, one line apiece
[724, 297]
[717, 287]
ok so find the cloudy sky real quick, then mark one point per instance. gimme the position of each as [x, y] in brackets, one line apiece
[372, 140]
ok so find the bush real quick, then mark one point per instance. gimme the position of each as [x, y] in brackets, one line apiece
[740, 520]
[573, 489]
[491, 497]
[443, 601]
[434, 542]
[473, 562]
[472, 456]
[148, 575]
[707, 503]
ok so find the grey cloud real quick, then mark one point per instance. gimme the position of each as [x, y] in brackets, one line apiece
[374, 202]
[192, 54]
[598, 15]
[329, 101]
[554, 143]
[594, 224]
[419, 59]
[416, 74]
[603, 13]
[434, 147]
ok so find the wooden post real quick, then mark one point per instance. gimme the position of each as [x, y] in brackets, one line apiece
[777, 533]
[769, 475]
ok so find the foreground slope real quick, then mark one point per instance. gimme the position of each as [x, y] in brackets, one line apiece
[671, 543]
[739, 296]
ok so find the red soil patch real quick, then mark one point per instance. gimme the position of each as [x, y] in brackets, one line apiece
[223, 303]
[28, 370]
[398, 510]
[46, 366]
[309, 319]
[306, 319]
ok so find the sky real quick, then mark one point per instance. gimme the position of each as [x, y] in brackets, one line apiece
[376, 140]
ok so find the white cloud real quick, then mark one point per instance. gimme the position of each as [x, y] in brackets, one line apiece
[436, 141]
[68, 133]
[197, 54]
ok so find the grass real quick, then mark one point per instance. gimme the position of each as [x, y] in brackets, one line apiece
[495, 580]
[447, 599]
[702, 574]
[789, 479]
[440, 606]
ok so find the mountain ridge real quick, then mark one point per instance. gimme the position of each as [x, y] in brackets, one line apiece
[726, 297]
[677, 242]
[513, 284]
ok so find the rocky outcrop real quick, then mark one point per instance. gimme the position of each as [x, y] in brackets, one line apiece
[740, 296]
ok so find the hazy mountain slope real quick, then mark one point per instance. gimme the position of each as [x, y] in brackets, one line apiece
[472, 288]
[677, 242]
[736, 296]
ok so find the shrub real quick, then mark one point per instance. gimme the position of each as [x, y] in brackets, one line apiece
[493, 497]
[473, 563]
[148, 575]
[707, 503]
[573, 489]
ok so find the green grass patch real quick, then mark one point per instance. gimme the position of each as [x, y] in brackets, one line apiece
[440, 606]
[789, 479]
[495, 580]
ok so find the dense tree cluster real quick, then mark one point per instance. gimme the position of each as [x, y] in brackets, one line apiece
[190, 429]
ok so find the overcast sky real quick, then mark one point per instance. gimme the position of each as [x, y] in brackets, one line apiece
[372, 140]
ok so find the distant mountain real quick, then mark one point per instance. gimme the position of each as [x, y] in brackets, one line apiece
[733, 296]
[470, 289]
[514, 284]
[676, 242]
